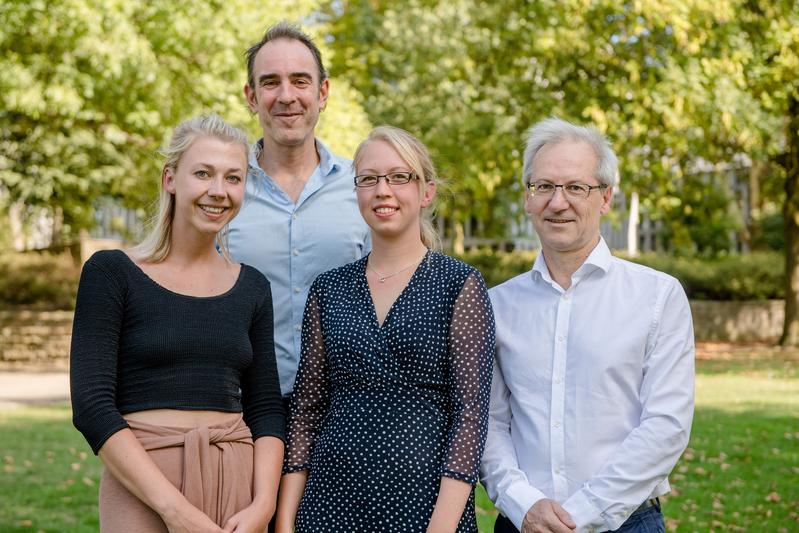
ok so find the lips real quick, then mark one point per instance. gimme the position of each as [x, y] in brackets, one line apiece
[384, 210]
[554, 220]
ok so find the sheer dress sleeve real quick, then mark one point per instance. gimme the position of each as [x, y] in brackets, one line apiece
[311, 397]
[471, 341]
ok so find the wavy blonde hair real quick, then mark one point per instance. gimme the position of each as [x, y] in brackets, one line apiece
[416, 155]
[156, 246]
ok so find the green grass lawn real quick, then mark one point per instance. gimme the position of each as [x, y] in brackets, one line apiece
[740, 472]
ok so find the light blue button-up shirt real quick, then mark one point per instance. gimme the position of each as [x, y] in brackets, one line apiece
[293, 243]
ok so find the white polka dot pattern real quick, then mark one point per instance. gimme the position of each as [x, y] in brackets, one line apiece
[379, 414]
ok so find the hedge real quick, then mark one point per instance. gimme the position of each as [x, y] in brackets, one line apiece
[755, 276]
[38, 280]
[50, 281]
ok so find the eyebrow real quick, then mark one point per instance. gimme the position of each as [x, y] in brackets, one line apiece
[212, 167]
[292, 75]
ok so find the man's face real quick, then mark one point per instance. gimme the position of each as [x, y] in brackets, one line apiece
[287, 94]
[567, 225]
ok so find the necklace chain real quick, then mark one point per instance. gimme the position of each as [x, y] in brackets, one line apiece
[383, 277]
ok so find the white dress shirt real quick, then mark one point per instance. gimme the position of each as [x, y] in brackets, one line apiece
[593, 390]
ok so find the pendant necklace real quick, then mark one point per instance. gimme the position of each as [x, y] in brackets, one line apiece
[382, 278]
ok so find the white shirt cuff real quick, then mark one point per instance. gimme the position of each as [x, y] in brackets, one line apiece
[587, 517]
[517, 500]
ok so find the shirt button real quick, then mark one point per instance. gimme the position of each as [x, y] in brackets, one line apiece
[565, 296]
[561, 338]
[295, 251]
[556, 425]
[557, 470]
[294, 216]
[298, 327]
[558, 381]
[297, 289]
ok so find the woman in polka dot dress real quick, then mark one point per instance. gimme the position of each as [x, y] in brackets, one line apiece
[390, 406]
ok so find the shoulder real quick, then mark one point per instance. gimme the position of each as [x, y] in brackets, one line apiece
[512, 285]
[335, 276]
[641, 275]
[113, 263]
[453, 264]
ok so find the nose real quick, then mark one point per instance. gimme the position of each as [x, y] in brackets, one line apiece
[382, 188]
[286, 93]
[216, 187]
[558, 201]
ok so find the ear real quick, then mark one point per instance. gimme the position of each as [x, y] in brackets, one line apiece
[429, 193]
[324, 87]
[607, 194]
[528, 201]
[252, 100]
[168, 180]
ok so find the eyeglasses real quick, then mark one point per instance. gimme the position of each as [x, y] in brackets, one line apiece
[393, 178]
[576, 191]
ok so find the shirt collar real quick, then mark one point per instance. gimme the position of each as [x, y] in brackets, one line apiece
[327, 163]
[599, 258]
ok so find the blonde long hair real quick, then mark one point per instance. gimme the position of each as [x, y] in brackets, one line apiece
[416, 155]
[155, 247]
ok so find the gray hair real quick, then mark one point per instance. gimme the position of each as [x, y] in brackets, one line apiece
[555, 130]
[284, 30]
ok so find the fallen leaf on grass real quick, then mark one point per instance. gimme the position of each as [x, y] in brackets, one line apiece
[25, 523]
[75, 466]
[773, 497]
[89, 482]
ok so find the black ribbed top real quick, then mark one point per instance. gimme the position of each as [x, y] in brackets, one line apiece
[137, 345]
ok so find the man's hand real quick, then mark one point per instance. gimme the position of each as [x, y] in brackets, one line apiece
[547, 516]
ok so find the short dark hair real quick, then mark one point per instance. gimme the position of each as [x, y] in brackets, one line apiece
[284, 30]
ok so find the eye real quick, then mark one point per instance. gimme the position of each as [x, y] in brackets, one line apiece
[399, 178]
[544, 187]
[269, 83]
[365, 180]
[234, 178]
[576, 188]
[202, 174]
[302, 82]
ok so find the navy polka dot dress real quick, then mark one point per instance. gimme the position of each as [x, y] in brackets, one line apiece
[381, 413]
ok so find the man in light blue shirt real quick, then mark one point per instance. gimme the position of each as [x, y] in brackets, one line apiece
[300, 217]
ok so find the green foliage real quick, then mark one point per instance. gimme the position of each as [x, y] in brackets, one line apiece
[90, 89]
[38, 279]
[755, 276]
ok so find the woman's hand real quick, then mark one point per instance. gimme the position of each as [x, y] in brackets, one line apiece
[189, 519]
[251, 519]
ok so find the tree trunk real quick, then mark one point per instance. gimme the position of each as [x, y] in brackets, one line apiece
[790, 331]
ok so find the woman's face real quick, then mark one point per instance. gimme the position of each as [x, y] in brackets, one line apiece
[208, 185]
[391, 211]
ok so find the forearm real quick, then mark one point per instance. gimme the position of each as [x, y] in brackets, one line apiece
[451, 501]
[267, 462]
[292, 487]
[129, 463]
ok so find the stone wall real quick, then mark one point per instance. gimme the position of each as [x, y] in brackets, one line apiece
[35, 337]
[42, 337]
[738, 321]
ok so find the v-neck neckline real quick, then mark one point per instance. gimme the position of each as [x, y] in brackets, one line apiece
[381, 326]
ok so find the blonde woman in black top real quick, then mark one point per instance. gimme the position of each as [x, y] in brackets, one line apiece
[173, 374]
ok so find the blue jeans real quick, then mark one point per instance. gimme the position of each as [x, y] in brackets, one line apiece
[649, 520]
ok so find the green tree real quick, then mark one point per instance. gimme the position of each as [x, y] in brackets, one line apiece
[91, 88]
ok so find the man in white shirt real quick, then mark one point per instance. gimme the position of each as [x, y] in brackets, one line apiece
[593, 391]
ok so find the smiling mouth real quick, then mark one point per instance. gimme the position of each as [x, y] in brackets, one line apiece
[558, 220]
[385, 210]
[211, 209]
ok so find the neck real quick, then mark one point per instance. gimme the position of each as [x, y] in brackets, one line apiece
[192, 247]
[562, 265]
[294, 162]
[390, 253]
